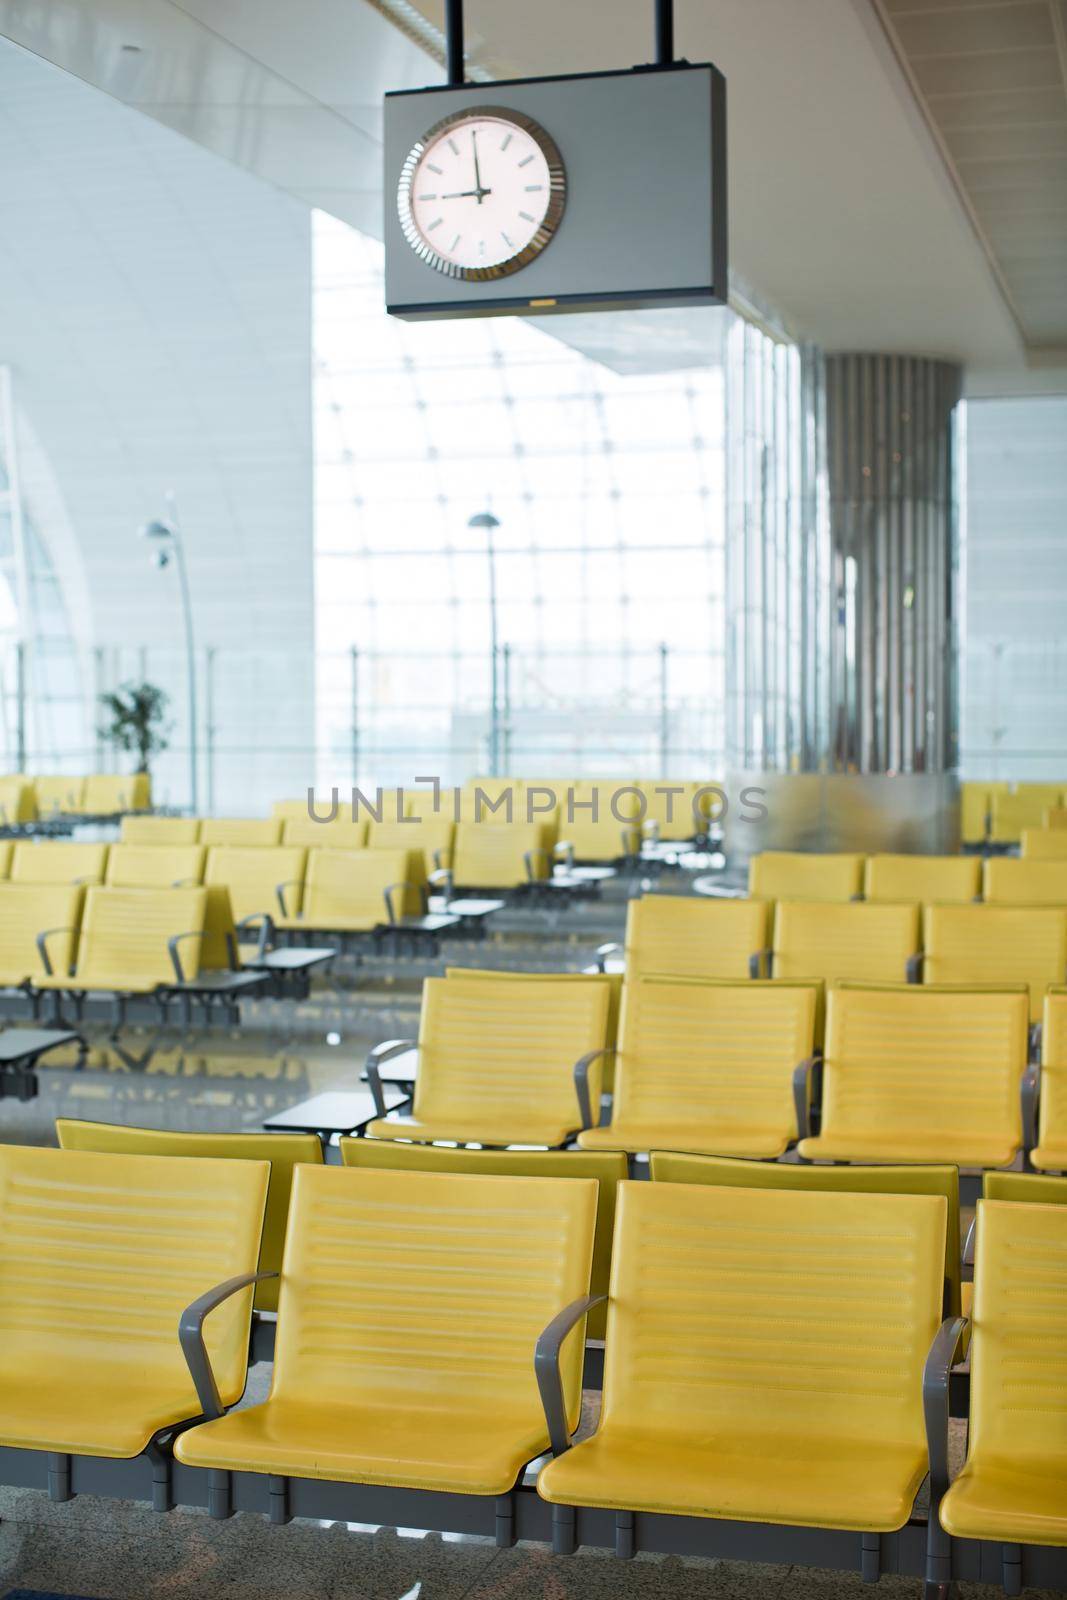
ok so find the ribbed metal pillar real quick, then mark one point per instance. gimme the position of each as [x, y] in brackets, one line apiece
[892, 496]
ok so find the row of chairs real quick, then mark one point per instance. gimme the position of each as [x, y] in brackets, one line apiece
[1045, 845]
[100, 794]
[1000, 880]
[732, 1069]
[998, 812]
[863, 942]
[772, 1358]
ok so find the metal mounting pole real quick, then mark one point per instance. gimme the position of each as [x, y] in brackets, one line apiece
[454, 41]
[664, 33]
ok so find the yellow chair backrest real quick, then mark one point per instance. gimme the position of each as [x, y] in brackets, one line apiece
[996, 944]
[606, 1166]
[975, 801]
[283, 1151]
[125, 936]
[1011, 882]
[420, 803]
[495, 800]
[497, 1045]
[613, 982]
[1052, 1106]
[1055, 817]
[255, 874]
[610, 831]
[915, 878]
[712, 1053]
[18, 803]
[682, 936]
[341, 834]
[430, 837]
[100, 1254]
[363, 1260]
[154, 866]
[796, 875]
[495, 856]
[7, 851]
[699, 1273]
[1044, 844]
[1025, 808]
[220, 947]
[346, 889]
[159, 830]
[866, 943]
[1027, 1187]
[669, 1166]
[106, 793]
[669, 809]
[247, 832]
[58, 861]
[57, 795]
[27, 909]
[1017, 1356]
[299, 807]
[908, 1059]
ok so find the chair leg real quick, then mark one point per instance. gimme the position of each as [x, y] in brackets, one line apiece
[219, 1494]
[279, 1500]
[564, 1542]
[505, 1522]
[59, 1477]
[624, 1535]
[1012, 1562]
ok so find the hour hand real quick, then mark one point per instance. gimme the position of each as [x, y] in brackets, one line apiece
[462, 194]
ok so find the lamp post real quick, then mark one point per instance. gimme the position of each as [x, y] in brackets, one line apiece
[486, 520]
[165, 538]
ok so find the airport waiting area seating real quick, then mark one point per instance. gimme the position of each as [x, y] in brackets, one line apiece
[924, 1075]
[132, 943]
[1048, 1121]
[501, 1061]
[243, 832]
[1013, 810]
[1009, 881]
[1044, 844]
[342, 833]
[996, 944]
[58, 861]
[153, 830]
[692, 937]
[866, 942]
[803, 875]
[38, 931]
[18, 803]
[708, 1067]
[511, 856]
[144, 866]
[951, 879]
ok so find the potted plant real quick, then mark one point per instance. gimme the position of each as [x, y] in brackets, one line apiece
[136, 715]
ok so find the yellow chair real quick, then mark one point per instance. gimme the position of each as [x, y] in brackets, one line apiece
[241, 832]
[58, 861]
[428, 844]
[1025, 1187]
[263, 881]
[105, 794]
[154, 866]
[1010, 882]
[865, 943]
[18, 803]
[1011, 1486]
[612, 980]
[1025, 807]
[1055, 818]
[1044, 844]
[38, 930]
[682, 936]
[916, 1074]
[606, 1166]
[796, 875]
[341, 834]
[708, 1067]
[976, 799]
[598, 820]
[996, 945]
[356, 891]
[669, 1166]
[57, 796]
[132, 941]
[159, 830]
[671, 812]
[283, 1151]
[950, 879]
[501, 855]
[1050, 1152]
[504, 1062]
[7, 850]
[738, 1380]
[382, 1360]
[100, 1255]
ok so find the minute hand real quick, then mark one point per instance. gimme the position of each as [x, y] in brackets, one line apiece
[463, 194]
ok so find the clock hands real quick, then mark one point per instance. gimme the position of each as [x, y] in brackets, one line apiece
[463, 194]
[479, 191]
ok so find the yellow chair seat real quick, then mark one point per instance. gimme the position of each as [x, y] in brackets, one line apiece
[472, 1452]
[756, 1143]
[525, 1129]
[809, 1482]
[960, 1148]
[1049, 1157]
[1001, 1500]
[77, 1414]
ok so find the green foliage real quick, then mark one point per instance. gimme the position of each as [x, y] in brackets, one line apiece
[137, 713]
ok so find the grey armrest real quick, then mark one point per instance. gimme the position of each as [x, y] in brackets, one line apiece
[565, 851]
[387, 893]
[606, 950]
[759, 962]
[546, 1368]
[191, 1339]
[172, 950]
[802, 1096]
[1029, 1091]
[968, 1244]
[266, 929]
[42, 947]
[913, 971]
[279, 892]
[378, 1057]
[650, 830]
[939, 1364]
[442, 879]
[581, 1083]
[528, 858]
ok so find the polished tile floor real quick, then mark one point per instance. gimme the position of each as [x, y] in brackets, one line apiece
[223, 1080]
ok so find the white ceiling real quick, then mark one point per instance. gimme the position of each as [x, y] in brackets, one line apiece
[845, 217]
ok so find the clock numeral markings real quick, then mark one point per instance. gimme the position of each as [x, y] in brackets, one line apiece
[432, 168]
[455, 241]
[453, 146]
[507, 140]
[531, 188]
[427, 197]
[434, 225]
[481, 247]
[526, 161]
[506, 240]
[526, 217]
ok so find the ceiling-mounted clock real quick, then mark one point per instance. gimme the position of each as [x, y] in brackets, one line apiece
[481, 193]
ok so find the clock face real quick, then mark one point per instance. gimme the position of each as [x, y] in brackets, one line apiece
[482, 193]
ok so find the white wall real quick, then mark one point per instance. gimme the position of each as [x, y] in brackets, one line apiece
[155, 307]
[1014, 658]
